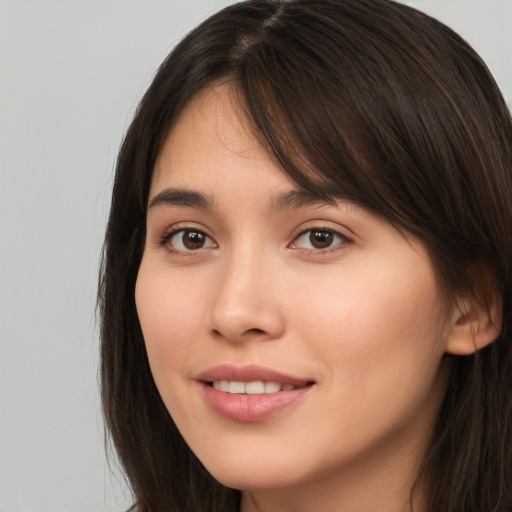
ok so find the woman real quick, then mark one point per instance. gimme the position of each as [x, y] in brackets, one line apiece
[306, 286]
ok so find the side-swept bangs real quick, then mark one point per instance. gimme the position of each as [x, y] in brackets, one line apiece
[398, 115]
[391, 117]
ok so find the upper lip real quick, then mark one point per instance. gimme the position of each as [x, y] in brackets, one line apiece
[249, 373]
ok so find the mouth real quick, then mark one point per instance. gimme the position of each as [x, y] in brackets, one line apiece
[251, 393]
[251, 380]
[256, 387]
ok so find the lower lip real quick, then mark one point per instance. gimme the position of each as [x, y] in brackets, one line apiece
[251, 408]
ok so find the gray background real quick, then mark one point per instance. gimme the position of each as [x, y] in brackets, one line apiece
[71, 73]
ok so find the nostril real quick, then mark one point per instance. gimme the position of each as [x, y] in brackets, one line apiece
[255, 331]
[247, 334]
[241, 324]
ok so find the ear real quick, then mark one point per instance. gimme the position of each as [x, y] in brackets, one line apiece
[474, 326]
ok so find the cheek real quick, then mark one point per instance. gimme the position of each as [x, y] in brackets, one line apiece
[385, 325]
[168, 313]
[381, 348]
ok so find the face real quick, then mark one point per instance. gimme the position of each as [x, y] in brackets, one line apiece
[292, 341]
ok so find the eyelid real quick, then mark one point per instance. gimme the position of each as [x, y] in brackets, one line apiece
[164, 239]
[309, 227]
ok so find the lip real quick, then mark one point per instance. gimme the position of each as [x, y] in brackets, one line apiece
[250, 408]
[249, 373]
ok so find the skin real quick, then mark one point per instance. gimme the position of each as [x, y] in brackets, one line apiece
[364, 318]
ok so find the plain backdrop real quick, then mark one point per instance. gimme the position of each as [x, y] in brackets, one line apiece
[71, 74]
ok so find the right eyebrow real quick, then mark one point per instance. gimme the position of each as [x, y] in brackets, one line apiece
[181, 197]
[299, 198]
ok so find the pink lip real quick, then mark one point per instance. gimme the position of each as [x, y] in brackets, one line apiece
[250, 408]
[248, 374]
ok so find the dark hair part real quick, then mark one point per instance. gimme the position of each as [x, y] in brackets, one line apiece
[368, 100]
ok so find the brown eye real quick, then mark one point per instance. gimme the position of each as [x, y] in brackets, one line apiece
[190, 240]
[319, 239]
[193, 239]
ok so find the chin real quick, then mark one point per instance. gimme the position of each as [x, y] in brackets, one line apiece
[235, 480]
[243, 475]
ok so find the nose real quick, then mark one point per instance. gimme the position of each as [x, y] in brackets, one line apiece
[246, 304]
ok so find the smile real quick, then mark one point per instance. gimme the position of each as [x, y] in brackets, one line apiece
[257, 387]
[251, 393]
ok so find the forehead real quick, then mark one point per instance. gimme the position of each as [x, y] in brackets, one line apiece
[213, 125]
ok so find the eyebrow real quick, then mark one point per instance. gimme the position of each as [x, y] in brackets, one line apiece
[299, 198]
[181, 197]
[294, 199]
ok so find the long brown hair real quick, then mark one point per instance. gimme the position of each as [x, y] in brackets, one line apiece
[372, 101]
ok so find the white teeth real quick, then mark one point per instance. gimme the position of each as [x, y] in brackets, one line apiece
[272, 387]
[257, 387]
[221, 385]
[236, 387]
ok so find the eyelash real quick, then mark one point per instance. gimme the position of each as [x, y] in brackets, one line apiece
[165, 240]
[343, 240]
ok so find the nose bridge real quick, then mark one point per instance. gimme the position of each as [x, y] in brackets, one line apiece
[245, 303]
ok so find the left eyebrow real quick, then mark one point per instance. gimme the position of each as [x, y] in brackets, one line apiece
[181, 197]
[299, 198]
